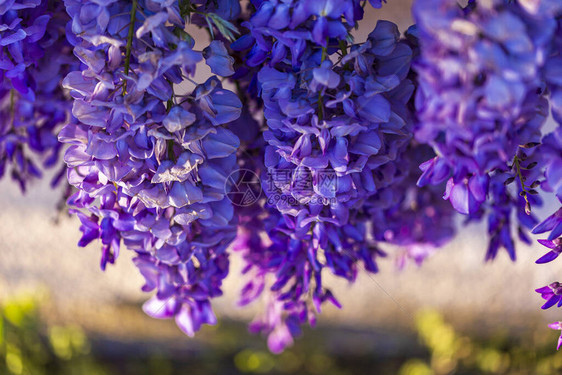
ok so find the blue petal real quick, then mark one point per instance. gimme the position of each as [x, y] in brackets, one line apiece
[548, 257]
[375, 108]
[218, 59]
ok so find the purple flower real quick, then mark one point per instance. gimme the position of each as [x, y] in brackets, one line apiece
[376, 3]
[466, 196]
[552, 224]
[335, 130]
[151, 176]
[279, 29]
[467, 110]
[218, 59]
[475, 118]
[323, 76]
[34, 55]
[552, 293]
[226, 9]
[556, 248]
[178, 119]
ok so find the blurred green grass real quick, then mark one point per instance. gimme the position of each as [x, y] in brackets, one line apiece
[30, 344]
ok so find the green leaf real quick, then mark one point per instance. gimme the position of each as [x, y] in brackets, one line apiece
[227, 29]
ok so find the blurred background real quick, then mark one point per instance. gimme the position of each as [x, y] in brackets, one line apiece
[59, 314]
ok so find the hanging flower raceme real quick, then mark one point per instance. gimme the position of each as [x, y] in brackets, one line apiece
[548, 17]
[159, 161]
[335, 133]
[415, 219]
[551, 12]
[287, 29]
[551, 227]
[481, 100]
[34, 56]
[331, 126]
[150, 165]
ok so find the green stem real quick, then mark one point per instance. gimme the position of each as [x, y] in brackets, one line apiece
[523, 188]
[324, 54]
[320, 99]
[343, 47]
[320, 107]
[518, 167]
[129, 46]
[170, 147]
[13, 105]
[186, 8]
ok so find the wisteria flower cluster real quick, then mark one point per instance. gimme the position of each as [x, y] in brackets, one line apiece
[34, 57]
[304, 152]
